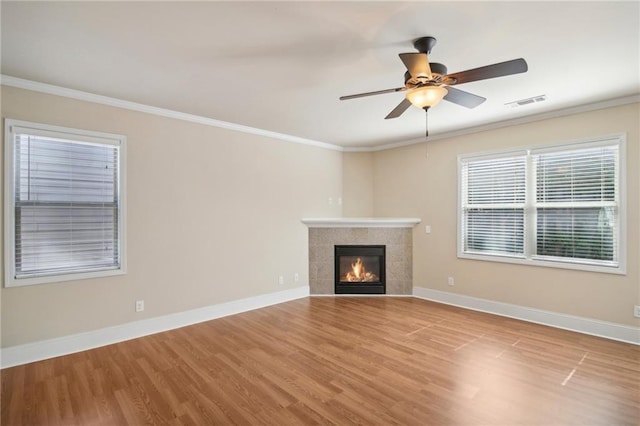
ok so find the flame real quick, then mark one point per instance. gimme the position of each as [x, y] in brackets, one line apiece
[358, 273]
[358, 269]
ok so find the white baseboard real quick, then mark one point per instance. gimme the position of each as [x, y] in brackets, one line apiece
[45, 349]
[623, 333]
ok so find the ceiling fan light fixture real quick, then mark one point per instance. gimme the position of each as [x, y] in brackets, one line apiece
[427, 96]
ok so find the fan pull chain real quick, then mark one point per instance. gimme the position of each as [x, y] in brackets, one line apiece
[426, 122]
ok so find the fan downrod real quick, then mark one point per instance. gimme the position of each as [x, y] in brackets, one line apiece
[424, 44]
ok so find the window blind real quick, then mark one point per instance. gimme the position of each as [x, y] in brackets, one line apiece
[493, 205]
[66, 206]
[577, 204]
[561, 205]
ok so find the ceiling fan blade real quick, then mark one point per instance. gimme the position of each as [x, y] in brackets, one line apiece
[417, 64]
[463, 98]
[501, 69]
[397, 111]
[378, 92]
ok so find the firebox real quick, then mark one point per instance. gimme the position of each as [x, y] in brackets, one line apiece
[360, 270]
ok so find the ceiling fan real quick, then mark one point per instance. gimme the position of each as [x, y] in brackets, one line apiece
[427, 83]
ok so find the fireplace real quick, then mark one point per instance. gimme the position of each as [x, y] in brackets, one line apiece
[360, 269]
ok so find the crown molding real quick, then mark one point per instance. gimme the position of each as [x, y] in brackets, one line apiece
[50, 89]
[610, 103]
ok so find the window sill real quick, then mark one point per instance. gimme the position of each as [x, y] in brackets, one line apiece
[617, 270]
[48, 279]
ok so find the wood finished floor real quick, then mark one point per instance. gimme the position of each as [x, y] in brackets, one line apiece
[338, 361]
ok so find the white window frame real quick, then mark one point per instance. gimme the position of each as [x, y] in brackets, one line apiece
[17, 126]
[530, 257]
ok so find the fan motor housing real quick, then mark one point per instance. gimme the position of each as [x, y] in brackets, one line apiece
[438, 71]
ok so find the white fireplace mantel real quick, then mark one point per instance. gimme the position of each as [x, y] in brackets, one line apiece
[361, 222]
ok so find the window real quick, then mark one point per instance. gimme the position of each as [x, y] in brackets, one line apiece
[495, 205]
[559, 206]
[64, 204]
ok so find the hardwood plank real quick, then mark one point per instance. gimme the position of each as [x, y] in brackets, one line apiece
[335, 361]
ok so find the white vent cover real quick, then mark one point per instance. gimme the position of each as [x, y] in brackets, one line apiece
[527, 101]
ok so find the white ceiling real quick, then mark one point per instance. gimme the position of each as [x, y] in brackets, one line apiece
[281, 66]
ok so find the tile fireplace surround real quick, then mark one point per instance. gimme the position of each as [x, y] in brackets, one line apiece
[395, 233]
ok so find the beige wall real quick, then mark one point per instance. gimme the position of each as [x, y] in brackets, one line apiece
[213, 215]
[357, 184]
[421, 181]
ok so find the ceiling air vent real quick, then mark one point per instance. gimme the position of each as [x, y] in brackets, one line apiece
[526, 101]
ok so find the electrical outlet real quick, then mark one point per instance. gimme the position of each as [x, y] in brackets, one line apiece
[296, 277]
[281, 280]
[636, 311]
[139, 305]
[450, 281]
